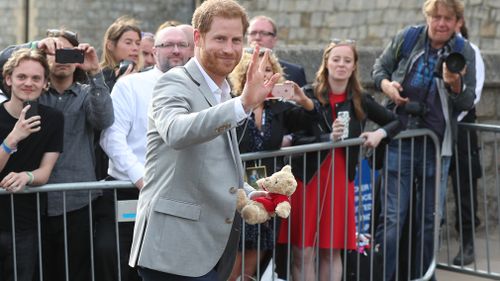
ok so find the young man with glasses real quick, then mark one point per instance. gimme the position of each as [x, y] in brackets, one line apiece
[86, 107]
[262, 30]
[125, 144]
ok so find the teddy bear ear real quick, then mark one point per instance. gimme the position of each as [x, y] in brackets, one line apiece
[287, 169]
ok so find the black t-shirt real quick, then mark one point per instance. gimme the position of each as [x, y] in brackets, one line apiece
[28, 157]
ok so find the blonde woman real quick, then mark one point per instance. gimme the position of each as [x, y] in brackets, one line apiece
[269, 122]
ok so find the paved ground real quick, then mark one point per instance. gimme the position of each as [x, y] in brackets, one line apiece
[487, 258]
[445, 275]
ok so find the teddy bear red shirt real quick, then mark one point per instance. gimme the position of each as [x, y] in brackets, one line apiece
[271, 203]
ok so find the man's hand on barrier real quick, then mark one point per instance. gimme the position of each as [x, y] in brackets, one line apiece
[15, 182]
[372, 139]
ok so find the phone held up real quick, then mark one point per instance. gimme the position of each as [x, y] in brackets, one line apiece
[124, 64]
[69, 55]
[283, 91]
[33, 110]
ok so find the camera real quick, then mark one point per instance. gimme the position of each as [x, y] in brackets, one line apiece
[455, 62]
[69, 55]
[416, 111]
[124, 66]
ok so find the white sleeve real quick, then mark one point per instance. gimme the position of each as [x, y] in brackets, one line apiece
[114, 139]
[479, 73]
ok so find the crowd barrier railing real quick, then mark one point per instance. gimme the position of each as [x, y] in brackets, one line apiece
[470, 235]
[284, 260]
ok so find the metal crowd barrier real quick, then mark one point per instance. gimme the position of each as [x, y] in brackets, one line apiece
[478, 216]
[279, 261]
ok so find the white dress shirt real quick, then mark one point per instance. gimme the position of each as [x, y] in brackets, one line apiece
[125, 141]
[223, 94]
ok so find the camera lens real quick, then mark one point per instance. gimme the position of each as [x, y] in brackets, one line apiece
[455, 62]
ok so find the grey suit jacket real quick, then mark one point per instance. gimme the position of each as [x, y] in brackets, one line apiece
[186, 209]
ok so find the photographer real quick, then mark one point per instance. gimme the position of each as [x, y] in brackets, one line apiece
[411, 72]
[86, 107]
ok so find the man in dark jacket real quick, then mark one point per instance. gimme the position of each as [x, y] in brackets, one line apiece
[407, 75]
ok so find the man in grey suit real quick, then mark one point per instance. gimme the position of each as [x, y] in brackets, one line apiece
[186, 226]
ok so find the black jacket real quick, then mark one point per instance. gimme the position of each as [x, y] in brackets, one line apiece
[321, 128]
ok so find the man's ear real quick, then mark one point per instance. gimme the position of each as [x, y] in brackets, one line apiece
[197, 37]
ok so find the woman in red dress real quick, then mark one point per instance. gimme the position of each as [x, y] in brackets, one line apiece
[323, 211]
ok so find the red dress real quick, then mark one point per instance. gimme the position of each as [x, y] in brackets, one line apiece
[335, 229]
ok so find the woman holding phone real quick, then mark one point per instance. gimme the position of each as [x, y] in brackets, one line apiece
[121, 49]
[328, 223]
[264, 130]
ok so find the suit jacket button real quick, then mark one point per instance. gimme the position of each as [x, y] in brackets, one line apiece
[229, 221]
[232, 190]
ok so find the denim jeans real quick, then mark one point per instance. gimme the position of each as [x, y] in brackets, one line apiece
[411, 179]
[443, 186]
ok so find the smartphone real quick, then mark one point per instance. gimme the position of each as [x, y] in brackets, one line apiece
[69, 55]
[283, 90]
[345, 118]
[33, 110]
[124, 66]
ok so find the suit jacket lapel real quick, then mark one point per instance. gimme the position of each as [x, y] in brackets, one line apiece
[196, 76]
[233, 144]
[193, 72]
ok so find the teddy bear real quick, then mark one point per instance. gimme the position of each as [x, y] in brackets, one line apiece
[280, 186]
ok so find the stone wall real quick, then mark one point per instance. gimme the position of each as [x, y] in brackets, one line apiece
[301, 22]
[371, 23]
[89, 18]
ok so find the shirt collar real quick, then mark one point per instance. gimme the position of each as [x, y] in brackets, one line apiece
[75, 89]
[224, 91]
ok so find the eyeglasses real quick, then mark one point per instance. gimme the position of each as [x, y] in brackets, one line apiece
[262, 50]
[262, 33]
[172, 45]
[71, 36]
[338, 41]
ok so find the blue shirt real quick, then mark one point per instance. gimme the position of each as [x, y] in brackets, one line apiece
[420, 86]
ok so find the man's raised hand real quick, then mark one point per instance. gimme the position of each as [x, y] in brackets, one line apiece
[257, 87]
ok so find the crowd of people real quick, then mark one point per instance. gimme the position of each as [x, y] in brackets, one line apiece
[172, 111]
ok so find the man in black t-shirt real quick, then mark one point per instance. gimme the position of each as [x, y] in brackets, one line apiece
[28, 152]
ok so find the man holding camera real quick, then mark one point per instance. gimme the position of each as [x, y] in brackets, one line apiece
[413, 73]
[85, 107]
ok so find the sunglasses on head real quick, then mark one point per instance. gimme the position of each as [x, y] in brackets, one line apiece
[338, 41]
[71, 36]
[262, 50]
